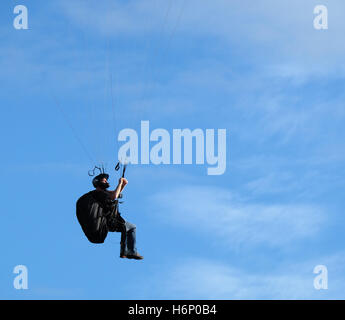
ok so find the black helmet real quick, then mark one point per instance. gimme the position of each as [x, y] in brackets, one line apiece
[96, 181]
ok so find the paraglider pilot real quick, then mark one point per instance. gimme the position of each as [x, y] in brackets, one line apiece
[97, 213]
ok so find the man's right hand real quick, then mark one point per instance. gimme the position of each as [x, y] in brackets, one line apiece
[123, 181]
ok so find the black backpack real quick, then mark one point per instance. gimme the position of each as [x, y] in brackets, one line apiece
[92, 218]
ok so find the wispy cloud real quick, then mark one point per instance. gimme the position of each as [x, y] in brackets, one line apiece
[205, 279]
[284, 24]
[238, 221]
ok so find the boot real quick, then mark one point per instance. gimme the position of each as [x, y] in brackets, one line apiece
[136, 256]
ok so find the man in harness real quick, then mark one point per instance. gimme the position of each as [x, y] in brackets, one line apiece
[97, 213]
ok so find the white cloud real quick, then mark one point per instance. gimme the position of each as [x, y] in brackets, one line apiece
[238, 221]
[205, 279]
[285, 26]
[273, 182]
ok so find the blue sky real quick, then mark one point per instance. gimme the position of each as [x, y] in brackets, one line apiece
[259, 70]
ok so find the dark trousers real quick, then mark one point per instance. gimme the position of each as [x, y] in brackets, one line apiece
[116, 223]
[128, 239]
